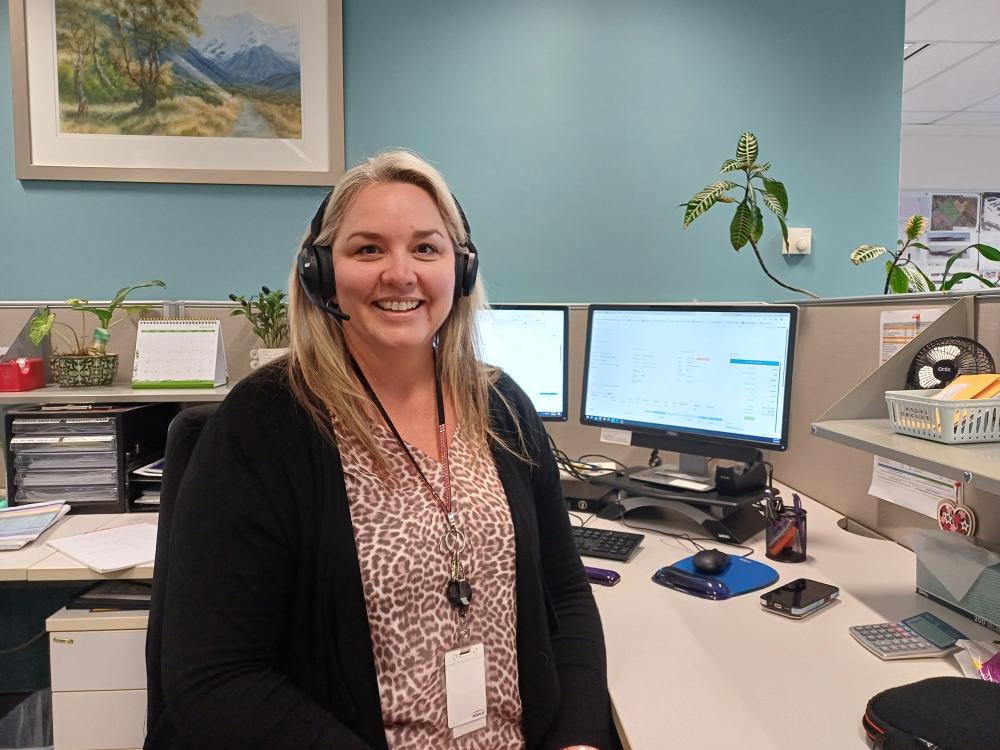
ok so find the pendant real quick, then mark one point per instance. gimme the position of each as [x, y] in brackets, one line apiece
[459, 594]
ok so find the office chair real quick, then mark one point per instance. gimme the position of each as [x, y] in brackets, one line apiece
[182, 436]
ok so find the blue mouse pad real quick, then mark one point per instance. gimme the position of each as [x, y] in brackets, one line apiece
[742, 576]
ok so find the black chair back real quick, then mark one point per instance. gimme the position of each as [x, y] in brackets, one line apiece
[182, 436]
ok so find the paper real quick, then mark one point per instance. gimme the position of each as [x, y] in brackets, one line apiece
[111, 549]
[20, 525]
[893, 481]
[953, 559]
[618, 437]
[179, 354]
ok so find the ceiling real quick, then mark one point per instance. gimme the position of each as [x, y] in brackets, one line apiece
[951, 72]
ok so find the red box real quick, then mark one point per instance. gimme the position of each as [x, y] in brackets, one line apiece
[22, 374]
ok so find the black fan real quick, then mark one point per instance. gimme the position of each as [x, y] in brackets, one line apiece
[944, 359]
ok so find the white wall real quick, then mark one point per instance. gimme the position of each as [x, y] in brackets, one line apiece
[949, 158]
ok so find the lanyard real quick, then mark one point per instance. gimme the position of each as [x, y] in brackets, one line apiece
[459, 589]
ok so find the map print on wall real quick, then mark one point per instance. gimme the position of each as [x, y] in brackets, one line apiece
[954, 212]
[190, 68]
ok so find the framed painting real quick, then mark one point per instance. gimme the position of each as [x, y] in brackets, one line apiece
[215, 91]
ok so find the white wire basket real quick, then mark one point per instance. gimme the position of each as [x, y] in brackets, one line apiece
[968, 421]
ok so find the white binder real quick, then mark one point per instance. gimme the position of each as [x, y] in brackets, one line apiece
[179, 353]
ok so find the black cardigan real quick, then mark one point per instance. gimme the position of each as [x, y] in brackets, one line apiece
[265, 632]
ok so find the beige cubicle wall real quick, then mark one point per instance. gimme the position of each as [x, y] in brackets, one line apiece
[837, 347]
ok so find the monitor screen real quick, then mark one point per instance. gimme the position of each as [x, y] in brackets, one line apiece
[713, 374]
[528, 342]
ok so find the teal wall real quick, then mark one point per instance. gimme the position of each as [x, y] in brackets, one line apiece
[571, 129]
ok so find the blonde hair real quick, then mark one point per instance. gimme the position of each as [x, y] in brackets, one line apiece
[319, 368]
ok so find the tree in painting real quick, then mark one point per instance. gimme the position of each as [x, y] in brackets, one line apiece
[179, 67]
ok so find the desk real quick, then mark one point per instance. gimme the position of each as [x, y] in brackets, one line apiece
[40, 562]
[687, 672]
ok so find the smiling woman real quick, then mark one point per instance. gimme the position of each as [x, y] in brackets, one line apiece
[374, 533]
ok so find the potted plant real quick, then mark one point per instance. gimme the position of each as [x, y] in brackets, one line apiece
[748, 222]
[903, 275]
[87, 362]
[267, 314]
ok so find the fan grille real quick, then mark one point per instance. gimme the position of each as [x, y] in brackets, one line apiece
[944, 359]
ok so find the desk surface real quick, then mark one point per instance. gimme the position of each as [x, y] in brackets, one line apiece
[40, 562]
[689, 672]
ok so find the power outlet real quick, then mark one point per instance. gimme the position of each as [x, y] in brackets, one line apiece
[799, 241]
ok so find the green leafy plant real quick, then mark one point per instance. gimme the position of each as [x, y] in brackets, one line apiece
[44, 321]
[267, 313]
[903, 275]
[747, 225]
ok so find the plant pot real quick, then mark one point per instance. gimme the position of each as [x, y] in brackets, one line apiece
[73, 371]
[260, 357]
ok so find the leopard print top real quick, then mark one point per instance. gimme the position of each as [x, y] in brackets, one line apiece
[398, 528]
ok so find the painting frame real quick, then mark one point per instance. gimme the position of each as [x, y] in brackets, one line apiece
[326, 134]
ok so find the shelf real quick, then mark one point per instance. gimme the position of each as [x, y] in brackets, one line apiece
[976, 464]
[121, 393]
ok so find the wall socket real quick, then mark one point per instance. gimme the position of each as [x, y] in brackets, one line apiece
[799, 241]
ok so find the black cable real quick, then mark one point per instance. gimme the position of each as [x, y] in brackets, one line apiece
[23, 645]
[578, 518]
[603, 458]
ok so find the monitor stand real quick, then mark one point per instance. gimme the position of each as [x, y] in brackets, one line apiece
[690, 468]
[727, 524]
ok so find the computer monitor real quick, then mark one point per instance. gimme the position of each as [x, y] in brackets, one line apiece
[701, 380]
[529, 343]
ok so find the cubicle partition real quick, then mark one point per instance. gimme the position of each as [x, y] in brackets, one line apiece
[837, 348]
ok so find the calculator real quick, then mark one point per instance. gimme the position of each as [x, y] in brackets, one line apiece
[915, 637]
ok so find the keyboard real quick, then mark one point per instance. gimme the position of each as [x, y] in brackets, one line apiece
[609, 545]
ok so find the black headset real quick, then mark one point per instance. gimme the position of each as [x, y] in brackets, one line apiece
[315, 264]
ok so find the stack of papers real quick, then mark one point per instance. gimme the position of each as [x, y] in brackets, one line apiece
[113, 549]
[22, 524]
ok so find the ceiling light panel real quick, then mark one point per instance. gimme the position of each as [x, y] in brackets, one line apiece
[934, 59]
[958, 87]
[955, 21]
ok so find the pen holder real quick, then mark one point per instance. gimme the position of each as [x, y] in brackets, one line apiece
[785, 536]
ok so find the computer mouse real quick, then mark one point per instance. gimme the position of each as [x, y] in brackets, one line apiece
[710, 561]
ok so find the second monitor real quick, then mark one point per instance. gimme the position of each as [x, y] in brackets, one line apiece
[528, 342]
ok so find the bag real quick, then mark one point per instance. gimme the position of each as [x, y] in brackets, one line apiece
[940, 713]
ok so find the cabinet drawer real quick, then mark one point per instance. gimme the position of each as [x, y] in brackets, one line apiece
[104, 720]
[98, 660]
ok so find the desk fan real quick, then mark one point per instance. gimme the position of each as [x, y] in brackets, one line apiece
[944, 359]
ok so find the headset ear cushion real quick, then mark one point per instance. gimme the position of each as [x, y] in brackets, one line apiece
[461, 262]
[316, 273]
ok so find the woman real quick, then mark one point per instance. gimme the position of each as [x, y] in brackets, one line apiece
[370, 539]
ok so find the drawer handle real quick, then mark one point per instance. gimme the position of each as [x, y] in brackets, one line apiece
[62, 640]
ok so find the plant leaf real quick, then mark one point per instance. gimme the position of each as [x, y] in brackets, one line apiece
[915, 226]
[950, 263]
[915, 280]
[731, 165]
[864, 253]
[784, 231]
[987, 251]
[746, 148]
[41, 325]
[758, 169]
[777, 189]
[125, 291]
[704, 200]
[899, 282]
[758, 224]
[742, 226]
[961, 276]
[921, 245]
[772, 203]
[927, 279]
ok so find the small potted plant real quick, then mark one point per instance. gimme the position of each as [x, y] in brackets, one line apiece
[87, 362]
[903, 275]
[267, 314]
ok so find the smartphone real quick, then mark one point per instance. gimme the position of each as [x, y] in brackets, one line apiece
[799, 598]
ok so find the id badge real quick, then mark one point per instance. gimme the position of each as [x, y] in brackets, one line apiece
[465, 685]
